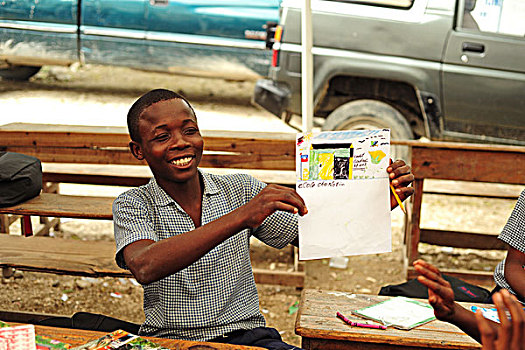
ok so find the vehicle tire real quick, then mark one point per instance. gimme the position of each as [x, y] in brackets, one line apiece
[19, 73]
[372, 114]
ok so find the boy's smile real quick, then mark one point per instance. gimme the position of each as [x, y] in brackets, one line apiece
[170, 142]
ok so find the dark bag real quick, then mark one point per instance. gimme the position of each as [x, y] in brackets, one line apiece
[20, 178]
[463, 291]
[90, 321]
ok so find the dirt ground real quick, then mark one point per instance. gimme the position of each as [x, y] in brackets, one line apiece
[122, 298]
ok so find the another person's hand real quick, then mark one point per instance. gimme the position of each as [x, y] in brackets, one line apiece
[271, 199]
[401, 177]
[511, 333]
[440, 293]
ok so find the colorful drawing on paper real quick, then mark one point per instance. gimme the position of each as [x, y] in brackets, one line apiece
[342, 177]
[342, 155]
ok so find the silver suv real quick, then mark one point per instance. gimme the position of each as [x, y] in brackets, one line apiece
[441, 69]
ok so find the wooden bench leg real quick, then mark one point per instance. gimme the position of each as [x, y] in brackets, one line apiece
[4, 223]
[49, 187]
[48, 224]
[7, 220]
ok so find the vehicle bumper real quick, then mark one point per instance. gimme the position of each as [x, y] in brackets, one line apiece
[271, 96]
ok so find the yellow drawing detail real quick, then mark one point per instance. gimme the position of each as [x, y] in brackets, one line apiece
[326, 166]
[377, 156]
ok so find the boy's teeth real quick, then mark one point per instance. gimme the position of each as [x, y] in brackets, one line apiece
[182, 161]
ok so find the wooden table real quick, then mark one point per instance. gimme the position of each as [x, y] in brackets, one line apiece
[78, 337]
[319, 327]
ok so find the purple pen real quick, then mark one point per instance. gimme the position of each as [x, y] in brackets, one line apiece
[357, 324]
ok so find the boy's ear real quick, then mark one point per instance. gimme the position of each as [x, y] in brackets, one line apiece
[136, 150]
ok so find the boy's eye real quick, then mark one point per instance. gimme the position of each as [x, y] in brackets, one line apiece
[191, 131]
[161, 137]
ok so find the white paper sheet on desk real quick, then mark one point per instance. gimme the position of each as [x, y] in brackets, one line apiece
[346, 216]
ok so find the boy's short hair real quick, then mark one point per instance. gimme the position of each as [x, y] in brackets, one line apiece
[144, 102]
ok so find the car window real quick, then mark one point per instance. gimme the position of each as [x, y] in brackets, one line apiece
[384, 3]
[495, 16]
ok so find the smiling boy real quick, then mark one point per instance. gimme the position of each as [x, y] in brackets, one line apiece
[185, 235]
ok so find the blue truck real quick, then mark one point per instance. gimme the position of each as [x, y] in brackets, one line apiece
[221, 38]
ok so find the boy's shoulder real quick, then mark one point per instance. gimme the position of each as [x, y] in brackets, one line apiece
[139, 193]
[229, 180]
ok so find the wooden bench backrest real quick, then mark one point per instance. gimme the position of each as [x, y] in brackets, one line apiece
[109, 145]
[468, 162]
[459, 162]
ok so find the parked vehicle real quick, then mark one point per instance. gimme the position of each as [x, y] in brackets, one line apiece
[205, 38]
[441, 69]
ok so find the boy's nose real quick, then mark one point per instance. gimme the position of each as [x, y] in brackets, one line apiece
[179, 142]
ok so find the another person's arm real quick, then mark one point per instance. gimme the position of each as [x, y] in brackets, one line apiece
[511, 334]
[515, 271]
[441, 297]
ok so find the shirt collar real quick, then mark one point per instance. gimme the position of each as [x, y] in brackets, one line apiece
[163, 199]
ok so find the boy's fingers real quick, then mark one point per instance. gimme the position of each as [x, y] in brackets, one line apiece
[505, 331]
[439, 289]
[287, 195]
[517, 319]
[428, 270]
[400, 171]
[488, 335]
[401, 180]
[395, 165]
[428, 266]
[404, 192]
[297, 201]
[431, 278]
[286, 207]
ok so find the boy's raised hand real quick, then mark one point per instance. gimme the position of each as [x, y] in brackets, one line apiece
[269, 200]
[401, 177]
[511, 333]
[440, 293]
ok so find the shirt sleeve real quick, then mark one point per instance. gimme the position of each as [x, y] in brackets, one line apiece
[131, 222]
[513, 232]
[277, 230]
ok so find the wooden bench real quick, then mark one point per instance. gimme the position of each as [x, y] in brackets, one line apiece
[482, 164]
[100, 156]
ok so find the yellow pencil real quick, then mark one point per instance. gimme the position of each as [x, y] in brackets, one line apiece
[397, 199]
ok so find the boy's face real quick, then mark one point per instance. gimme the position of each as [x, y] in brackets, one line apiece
[170, 141]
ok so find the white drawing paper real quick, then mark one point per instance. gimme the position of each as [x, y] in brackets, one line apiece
[399, 312]
[342, 177]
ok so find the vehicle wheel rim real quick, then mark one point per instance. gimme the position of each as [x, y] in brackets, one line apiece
[365, 123]
[362, 123]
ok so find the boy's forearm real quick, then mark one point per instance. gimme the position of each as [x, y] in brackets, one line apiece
[168, 256]
[514, 272]
[466, 321]
[515, 276]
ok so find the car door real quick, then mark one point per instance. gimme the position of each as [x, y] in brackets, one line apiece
[484, 72]
[112, 32]
[218, 38]
[37, 31]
